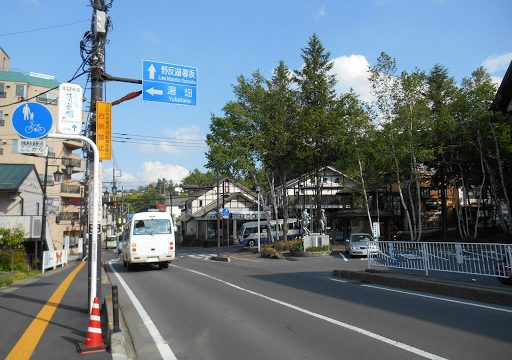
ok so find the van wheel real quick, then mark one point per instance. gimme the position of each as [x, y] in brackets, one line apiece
[163, 265]
[251, 243]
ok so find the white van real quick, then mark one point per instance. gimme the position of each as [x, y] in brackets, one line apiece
[149, 238]
[248, 234]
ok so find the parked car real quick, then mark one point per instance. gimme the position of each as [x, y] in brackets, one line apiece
[358, 244]
[111, 242]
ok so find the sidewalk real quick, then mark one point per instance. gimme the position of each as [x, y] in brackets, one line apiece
[435, 284]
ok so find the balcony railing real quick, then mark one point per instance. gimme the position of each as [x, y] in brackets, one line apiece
[63, 216]
[71, 162]
[70, 189]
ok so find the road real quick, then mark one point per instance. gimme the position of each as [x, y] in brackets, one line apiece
[253, 308]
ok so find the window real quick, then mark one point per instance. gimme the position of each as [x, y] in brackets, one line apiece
[47, 98]
[200, 203]
[21, 91]
[2, 90]
[1, 149]
[2, 121]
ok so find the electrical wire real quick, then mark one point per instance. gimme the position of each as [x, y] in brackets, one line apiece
[158, 143]
[150, 138]
[43, 28]
[75, 76]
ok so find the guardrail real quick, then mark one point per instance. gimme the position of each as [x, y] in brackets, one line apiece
[484, 259]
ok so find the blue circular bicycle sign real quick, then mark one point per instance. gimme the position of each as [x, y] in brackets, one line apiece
[32, 120]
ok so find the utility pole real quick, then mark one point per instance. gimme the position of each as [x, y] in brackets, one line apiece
[97, 68]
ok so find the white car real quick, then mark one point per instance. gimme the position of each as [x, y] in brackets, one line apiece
[358, 244]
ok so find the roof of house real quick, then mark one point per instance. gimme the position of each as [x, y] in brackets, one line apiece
[14, 76]
[13, 175]
[206, 209]
[504, 95]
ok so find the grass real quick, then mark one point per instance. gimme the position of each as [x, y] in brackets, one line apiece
[7, 279]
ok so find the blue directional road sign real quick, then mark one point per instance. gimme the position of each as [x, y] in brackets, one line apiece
[169, 83]
[32, 120]
[224, 212]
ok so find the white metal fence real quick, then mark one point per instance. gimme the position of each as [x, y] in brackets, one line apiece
[468, 258]
[54, 258]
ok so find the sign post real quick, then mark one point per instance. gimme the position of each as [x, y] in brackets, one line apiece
[169, 83]
[95, 211]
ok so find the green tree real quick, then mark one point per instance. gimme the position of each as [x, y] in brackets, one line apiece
[441, 93]
[318, 118]
[11, 249]
[278, 132]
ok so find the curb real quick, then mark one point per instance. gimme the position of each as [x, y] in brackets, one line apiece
[475, 293]
[220, 258]
[120, 343]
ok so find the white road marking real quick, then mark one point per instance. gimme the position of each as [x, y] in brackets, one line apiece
[338, 280]
[161, 344]
[370, 334]
[439, 298]
[343, 257]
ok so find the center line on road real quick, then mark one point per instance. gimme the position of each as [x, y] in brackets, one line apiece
[161, 344]
[359, 330]
[438, 298]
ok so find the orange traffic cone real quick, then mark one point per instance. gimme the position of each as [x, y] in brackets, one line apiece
[93, 340]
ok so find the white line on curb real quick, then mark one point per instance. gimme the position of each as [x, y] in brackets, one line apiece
[438, 298]
[161, 344]
[325, 318]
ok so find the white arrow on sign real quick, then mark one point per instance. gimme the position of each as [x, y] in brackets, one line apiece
[154, 91]
[152, 71]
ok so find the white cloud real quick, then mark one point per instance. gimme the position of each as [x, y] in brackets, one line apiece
[123, 179]
[154, 170]
[180, 140]
[352, 72]
[319, 13]
[497, 63]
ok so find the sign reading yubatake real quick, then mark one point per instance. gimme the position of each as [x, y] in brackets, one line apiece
[70, 109]
[104, 129]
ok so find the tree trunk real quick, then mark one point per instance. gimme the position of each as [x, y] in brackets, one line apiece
[481, 185]
[502, 181]
[365, 195]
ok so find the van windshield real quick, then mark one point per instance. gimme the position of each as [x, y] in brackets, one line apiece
[152, 226]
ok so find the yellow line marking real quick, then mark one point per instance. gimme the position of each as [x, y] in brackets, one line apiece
[28, 342]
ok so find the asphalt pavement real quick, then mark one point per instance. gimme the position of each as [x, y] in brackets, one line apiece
[22, 302]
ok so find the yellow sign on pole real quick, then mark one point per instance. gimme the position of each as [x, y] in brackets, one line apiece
[104, 129]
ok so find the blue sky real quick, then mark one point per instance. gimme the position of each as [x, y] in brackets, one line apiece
[224, 39]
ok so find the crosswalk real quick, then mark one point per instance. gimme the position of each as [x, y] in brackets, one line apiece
[196, 256]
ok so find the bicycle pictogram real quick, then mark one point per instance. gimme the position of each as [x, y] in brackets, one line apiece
[37, 129]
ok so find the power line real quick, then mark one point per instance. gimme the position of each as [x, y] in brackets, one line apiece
[161, 143]
[43, 28]
[148, 137]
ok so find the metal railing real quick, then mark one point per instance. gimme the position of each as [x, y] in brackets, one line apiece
[71, 162]
[69, 216]
[70, 189]
[466, 258]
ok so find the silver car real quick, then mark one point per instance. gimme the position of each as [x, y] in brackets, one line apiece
[358, 244]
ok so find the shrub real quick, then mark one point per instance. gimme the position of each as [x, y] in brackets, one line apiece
[319, 248]
[269, 252]
[298, 245]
